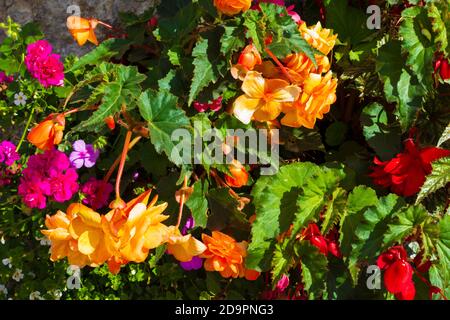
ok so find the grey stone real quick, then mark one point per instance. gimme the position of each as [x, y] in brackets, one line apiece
[52, 14]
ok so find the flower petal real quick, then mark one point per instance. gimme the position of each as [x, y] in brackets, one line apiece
[244, 107]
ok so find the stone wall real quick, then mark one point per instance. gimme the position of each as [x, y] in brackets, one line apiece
[52, 14]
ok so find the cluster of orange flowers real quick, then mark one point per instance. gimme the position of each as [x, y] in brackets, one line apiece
[296, 87]
[127, 235]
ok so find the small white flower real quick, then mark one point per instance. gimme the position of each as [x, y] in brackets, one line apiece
[3, 290]
[133, 272]
[57, 294]
[2, 240]
[17, 275]
[36, 295]
[7, 262]
[20, 99]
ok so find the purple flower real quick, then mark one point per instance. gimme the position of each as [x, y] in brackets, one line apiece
[190, 223]
[44, 65]
[83, 155]
[97, 193]
[195, 264]
[8, 154]
[5, 79]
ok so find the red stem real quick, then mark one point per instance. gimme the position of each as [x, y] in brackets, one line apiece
[279, 64]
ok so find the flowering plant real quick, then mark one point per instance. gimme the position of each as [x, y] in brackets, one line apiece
[334, 141]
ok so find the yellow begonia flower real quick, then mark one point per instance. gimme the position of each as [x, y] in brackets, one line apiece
[319, 93]
[263, 98]
[183, 248]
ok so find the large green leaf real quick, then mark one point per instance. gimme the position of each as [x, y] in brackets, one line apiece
[443, 248]
[348, 22]
[292, 198]
[232, 39]
[269, 193]
[401, 86]
[437, 179]
[405, 223]
[205, 72]
[438, 13]
[445, 136]
[418, 42]
[160, 110]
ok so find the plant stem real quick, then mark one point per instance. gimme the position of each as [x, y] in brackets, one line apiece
[122, 162]
[25, 130]
[117, 161]
[279, 64]
[182, 199]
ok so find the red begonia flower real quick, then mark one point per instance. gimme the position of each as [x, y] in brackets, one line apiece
[406, 173]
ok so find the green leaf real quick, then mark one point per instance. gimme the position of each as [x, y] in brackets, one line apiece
[373, 226]
[405, 223]
[122, 89]
[160, 110]
[336, 209]
[204, 71]
[314, 269]
[232, 40]
[335, 134]
[437, 179]
[418, 42]
[104, 52]
[198, 204]
[294, 196]
[401, 86]
[443, 246]
[268, 194]
[348, 22]
[445, 136]
[283, 260]
[438, 12]
[380, 132]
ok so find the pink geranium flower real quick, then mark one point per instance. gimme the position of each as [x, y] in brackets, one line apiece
[43, 65]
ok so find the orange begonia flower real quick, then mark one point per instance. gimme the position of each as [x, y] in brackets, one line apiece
[263, 98]
[183, 248]
[319, 93]
[300, 66]
[48, 133]
[247, 61]
[77, 235]
[239, 176]
[133, 231]
[82, 29]
[232, 7]
[318, 37]
[225, 255]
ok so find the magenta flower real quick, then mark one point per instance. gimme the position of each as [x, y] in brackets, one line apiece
[97, 193]
[43, 65]
[5, 79]
[83, 155]
[8, 154]
[283, 283]
[48, 175]
[195, 264]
